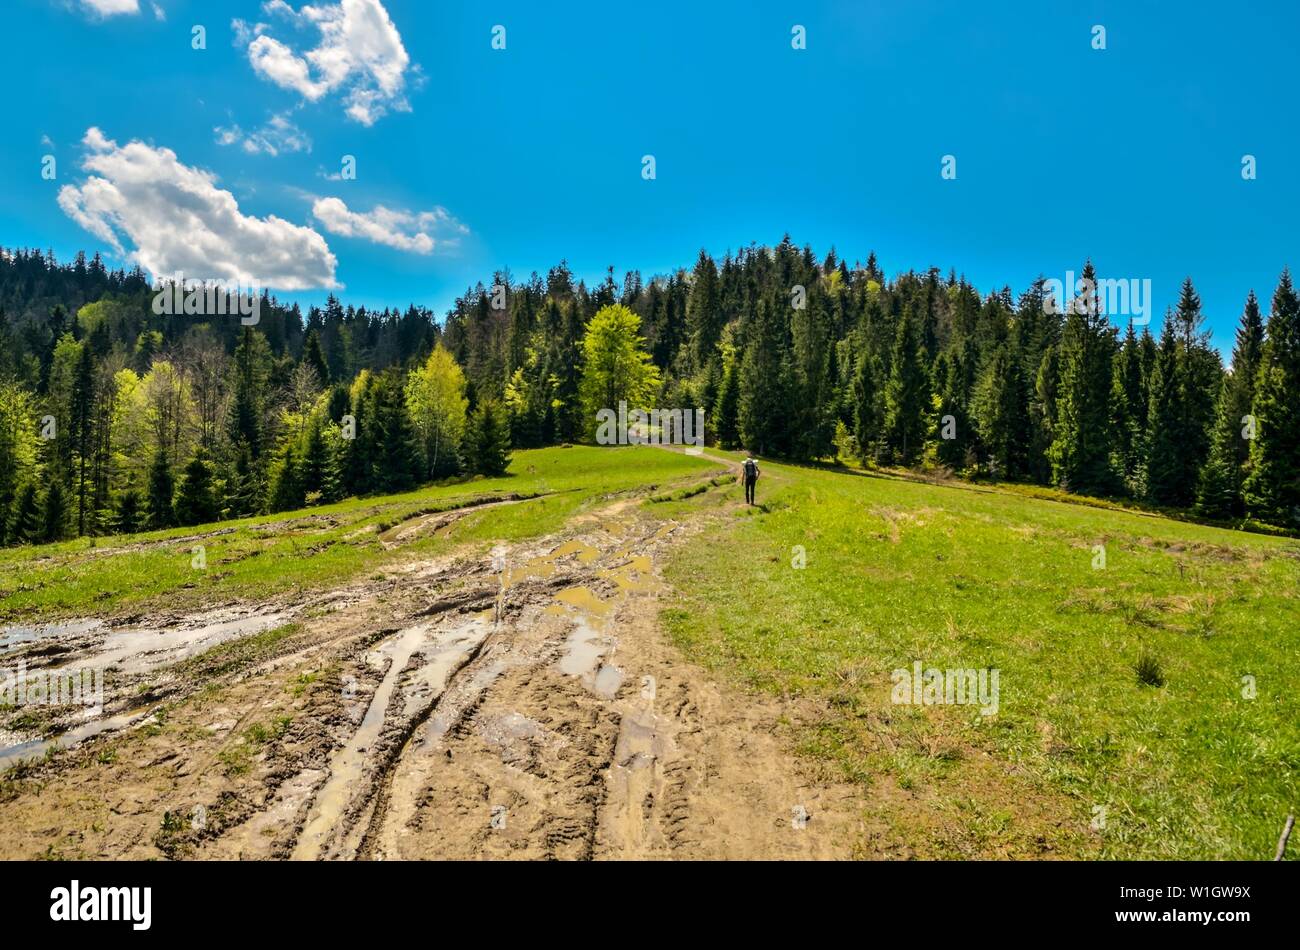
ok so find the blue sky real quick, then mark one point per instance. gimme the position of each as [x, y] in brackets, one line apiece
[1129, 155]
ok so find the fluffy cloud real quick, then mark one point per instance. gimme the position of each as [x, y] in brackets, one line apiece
[360, 54]
[111, 7]
[404, 230]
[178, 220]
[278, 135]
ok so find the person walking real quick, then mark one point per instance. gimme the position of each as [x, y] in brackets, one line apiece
[749, 474]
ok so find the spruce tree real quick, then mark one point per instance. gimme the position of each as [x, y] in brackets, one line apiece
[1184, 388]
[54, 513]
[161, 491]
[867, 406]
[1080, 452]
[196, 501]
[242, 497]
[764, 403]
[907, 396]
[285, 491]
[1001, 410]
[1163, 465]
[81, 417]
[953, 432]
[487, 440]
[1129, 412]
[25, 519]
[395, 466]
[248, 379]
[1272, 489]
[314, 356]
[703, 312]
[1219, 490]
[727, 408]
[128, 512]
[315, 458]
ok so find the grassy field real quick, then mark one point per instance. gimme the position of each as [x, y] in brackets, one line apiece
[1084, 757]
[318, 547]
[1146, 667]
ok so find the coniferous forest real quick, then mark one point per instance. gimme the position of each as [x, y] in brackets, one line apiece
[114, 418]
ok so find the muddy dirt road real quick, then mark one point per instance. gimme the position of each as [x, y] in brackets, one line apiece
[522, 705]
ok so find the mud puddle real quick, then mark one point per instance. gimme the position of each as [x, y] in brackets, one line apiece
[36, 749]
[441, 652]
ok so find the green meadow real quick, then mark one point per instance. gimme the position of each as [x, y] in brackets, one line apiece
[318, 547]
[1148, 669]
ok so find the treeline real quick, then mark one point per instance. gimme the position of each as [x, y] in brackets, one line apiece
[175, 419]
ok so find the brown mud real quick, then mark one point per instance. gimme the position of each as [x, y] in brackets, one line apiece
[526, 704]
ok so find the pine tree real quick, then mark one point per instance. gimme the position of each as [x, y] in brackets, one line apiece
[128, 512]
[1163, 465]
[1042, 415]
[907, 396]
[1183, 392]
[1001, 409]
[314, 356]
[285, 491]
[953, 430]
[867, 406]
[727, 407]
[811, 415]
[161, 490]
[82, 420]
[1129, 412]
[359, 449]
[1080, 452]
[703, 312]
[1272, 489]
[395, 466]
[25, 519]
[196, 502]
[315, 458]
[54, 513]
[487, 440]
[245, 419]
[1219, 491]
[242, 497]
[765, 385]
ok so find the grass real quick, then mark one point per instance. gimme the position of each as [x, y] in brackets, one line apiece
[317, 547]
[1146, 665]
[1125, 688]
[237, 757]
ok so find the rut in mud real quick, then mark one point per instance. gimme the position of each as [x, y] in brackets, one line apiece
[522, 705]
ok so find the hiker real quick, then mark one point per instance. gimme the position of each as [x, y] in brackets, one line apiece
[749, 471]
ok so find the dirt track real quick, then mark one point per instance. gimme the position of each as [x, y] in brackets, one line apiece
[526, 705]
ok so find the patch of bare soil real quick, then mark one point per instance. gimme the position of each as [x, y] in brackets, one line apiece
[525, 705]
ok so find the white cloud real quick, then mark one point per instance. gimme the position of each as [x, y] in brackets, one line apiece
[278, 135]
[418, 231]
[112, 7]
[360, 54]
[178, 220]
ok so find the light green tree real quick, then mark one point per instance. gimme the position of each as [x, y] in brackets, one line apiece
[435, 399]
[616, 366]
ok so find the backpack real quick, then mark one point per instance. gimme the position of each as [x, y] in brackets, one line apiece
[751, 470]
